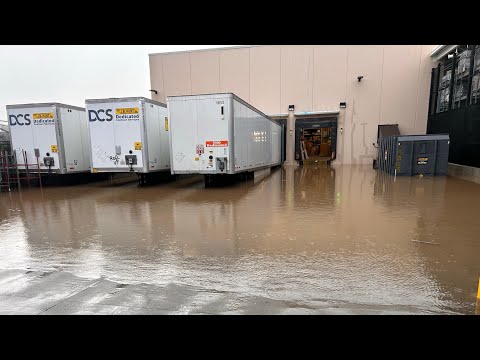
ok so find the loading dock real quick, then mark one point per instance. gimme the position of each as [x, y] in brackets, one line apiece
[318, 136]
[317, 142]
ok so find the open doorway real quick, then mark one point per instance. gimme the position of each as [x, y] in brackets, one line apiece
[316, 143]
[315, 139]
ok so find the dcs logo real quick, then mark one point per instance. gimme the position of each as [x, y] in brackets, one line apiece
[20, 119]
[100, 115]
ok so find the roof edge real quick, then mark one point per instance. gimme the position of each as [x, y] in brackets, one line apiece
[202, 50]
[441, 50]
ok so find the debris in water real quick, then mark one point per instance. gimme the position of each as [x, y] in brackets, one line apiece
[426, 242]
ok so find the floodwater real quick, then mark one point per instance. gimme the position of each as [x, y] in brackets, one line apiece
[340, 240]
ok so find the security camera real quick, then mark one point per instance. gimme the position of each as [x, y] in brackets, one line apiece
[359, 78]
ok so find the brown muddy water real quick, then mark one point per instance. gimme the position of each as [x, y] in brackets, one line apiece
[345, 239]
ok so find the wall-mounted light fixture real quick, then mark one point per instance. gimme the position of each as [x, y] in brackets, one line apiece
[359, 78]
[155, 91]
[343, 105]
[291, 107]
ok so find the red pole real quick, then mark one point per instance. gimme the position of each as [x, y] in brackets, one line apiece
[39, 174]
[7, 170]
[3, 173]
[16, 167]
[25, 157]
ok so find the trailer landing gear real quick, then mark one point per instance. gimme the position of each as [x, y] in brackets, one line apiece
[142, 179]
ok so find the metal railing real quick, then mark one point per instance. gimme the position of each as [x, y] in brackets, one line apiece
[12, 176]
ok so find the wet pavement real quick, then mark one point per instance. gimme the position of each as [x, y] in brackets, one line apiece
[307, 240]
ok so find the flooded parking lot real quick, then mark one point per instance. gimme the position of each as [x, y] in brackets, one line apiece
[313, 240]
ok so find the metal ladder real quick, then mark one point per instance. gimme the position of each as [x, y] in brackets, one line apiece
[11, 175]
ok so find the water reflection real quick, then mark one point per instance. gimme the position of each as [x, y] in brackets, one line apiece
[15, 252]
[346, 236]
[444, 231]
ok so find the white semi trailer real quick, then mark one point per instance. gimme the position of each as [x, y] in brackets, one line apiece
[128, 135]
[217, 134]
[51, 134]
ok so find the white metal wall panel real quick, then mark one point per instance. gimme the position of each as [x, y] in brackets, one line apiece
[85, 139]
[183, 136]
[32, 128]
[197, 122]
[164, 137]
[157, 137]
[257, 139]
[115, 126]
[73, 123]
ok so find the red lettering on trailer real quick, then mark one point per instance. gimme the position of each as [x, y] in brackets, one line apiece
[222, 143]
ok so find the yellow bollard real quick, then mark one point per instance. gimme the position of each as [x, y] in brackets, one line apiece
[477, 307]
[478, 293]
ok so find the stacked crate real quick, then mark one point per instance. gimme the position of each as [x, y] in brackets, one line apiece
[462, 72]
[463, 64]
[475, 94]
[444, 91]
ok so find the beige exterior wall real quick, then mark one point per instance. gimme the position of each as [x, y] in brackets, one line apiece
[395, 87]
[235, 72]
[205, 72]
[265, 76]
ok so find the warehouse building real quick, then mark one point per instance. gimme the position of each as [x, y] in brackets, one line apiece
[332, 97]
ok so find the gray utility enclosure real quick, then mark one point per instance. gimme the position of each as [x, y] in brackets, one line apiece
[411, 155]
